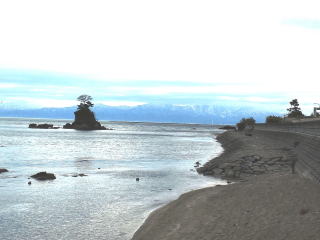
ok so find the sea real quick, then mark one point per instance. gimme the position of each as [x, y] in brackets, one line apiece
[108, 203]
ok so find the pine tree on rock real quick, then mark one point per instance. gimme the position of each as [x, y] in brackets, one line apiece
[84, 117]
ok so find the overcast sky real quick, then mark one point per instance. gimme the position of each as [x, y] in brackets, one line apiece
[180, 52]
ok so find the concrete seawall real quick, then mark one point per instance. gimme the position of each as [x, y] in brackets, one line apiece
[307, 152]
[306, 128]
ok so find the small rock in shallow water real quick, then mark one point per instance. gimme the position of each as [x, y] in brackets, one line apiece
[42, 126]
[44, 176]
[29, 183]
[137, 179]
[79, 175]
[2, 170]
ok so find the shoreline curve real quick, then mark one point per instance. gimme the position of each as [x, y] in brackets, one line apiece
[273, 204]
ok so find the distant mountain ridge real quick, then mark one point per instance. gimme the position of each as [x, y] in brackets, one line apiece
[151, 113]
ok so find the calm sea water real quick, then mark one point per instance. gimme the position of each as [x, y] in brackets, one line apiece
[108, 203]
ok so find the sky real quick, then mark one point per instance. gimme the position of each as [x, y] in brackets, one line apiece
[259, 53]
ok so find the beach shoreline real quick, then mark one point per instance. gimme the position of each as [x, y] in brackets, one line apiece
[266, 201]
[247, 155]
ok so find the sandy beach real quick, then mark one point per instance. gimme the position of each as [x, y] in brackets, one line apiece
[265, 201]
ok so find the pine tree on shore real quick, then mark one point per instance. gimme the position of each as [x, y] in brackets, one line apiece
[294, 110]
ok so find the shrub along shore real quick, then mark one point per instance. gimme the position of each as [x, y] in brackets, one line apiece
[267, 201]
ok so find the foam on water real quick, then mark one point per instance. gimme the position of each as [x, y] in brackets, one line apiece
[108, 203]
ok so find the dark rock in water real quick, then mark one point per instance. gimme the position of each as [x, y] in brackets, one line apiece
[45, 126]
[2, 170]
[137, 179]
[42, 126]
[67, 126]
[29, 183]
[79, 175]
[84, 120]
[44, 176]
[228, 127]
[197, 164]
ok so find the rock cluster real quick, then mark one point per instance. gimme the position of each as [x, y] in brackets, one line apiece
[79, 175]
[44, 176]
[42, 126]
[246, 165]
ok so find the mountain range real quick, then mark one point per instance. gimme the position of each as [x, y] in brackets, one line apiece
[204, 114]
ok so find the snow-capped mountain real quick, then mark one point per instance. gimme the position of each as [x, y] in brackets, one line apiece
[152, 113]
